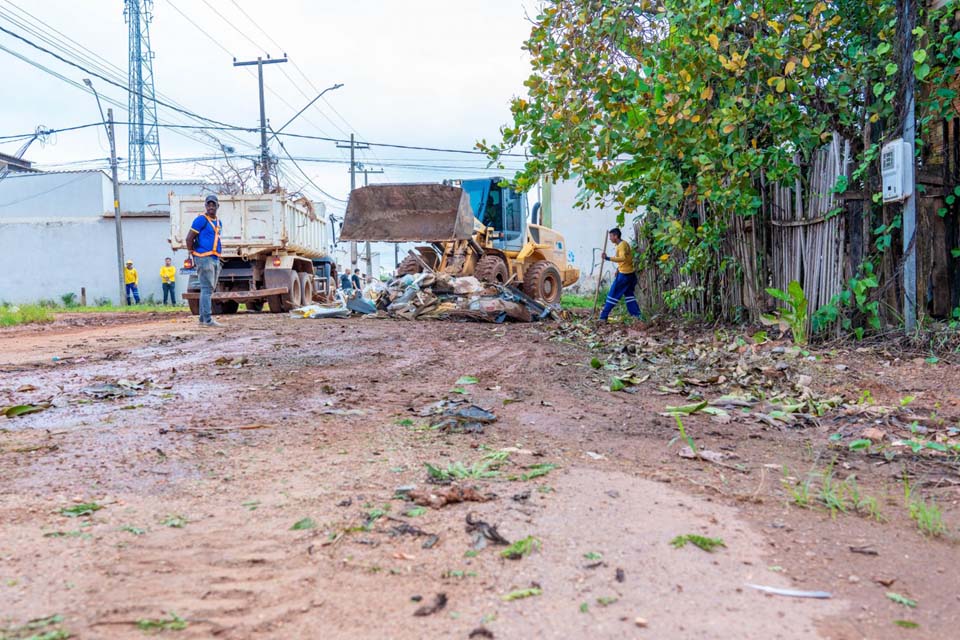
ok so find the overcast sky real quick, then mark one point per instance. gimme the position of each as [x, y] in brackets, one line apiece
[435, 73]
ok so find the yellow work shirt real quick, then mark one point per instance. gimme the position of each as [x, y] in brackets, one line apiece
[168, 274]
[130, 276]
[624, 257]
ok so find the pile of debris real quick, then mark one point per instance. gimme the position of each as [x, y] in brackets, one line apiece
[436, 296]
[442, 296]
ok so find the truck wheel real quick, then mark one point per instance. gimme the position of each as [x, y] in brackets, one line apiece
[229, 306]
[306, 288]
[491, 268]
[409, 266]
[194, 306]
[288, 279]
[542, 281]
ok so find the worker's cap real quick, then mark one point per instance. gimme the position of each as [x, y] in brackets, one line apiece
[211, 198]
[129, 261]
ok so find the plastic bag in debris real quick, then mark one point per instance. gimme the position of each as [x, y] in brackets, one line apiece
[337, 309]
[320, 311]
[374, 290]
[361, 305]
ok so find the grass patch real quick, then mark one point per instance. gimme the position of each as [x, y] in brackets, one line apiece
[576, 301]
[111, 308]
[48, 628]
[707, 544]
[11, 316]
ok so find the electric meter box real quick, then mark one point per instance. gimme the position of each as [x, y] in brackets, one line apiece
[896, 169]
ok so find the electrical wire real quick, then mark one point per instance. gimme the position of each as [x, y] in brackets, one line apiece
[109, 81]
[58, 40]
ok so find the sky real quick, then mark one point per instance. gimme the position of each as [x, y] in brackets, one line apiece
[429, 73]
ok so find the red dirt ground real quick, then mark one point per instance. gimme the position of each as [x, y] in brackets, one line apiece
[243, 432]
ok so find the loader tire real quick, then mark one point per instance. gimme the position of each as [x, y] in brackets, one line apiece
[491, 268]
[409, 266]
[542, 281]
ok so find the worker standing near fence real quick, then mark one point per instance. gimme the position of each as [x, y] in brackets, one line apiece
[168, 278]
[625, 283]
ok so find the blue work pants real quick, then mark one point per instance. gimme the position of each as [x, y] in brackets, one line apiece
[208, 271]
[624, 286]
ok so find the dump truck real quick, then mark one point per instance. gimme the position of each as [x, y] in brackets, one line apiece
[470, 227]
[271, 248]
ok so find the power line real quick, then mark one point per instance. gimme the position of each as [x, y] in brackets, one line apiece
[62, 42]
[109, 81]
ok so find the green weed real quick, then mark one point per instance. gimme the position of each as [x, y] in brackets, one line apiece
[37, 629]
[928, 517]
[521, 548]
[303, 524]
[79, 510]
[172, 623]
[174, 521]
[536, 471]
[521, 593]
[899, 599]
[707, 544]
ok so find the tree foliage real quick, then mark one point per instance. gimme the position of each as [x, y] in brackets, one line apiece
[674, 105]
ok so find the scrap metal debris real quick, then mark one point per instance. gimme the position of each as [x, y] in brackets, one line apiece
[438, 604]
[458, 416]
[484, 531]
[793, 593]
[437, 498]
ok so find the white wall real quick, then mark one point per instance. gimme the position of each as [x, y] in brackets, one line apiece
[58, 235]
[583, 231]
[52, 258]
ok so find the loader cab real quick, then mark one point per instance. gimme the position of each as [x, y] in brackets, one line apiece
[501, 208]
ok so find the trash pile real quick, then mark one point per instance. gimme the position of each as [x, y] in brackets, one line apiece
[442, 296]
[435, 296]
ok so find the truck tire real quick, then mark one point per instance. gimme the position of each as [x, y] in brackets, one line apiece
[284, 278]
[306, 288]
[542, 281]
[491, 268]
[409, 266]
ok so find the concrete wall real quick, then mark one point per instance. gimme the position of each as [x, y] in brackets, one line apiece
[58, 235]
[61, 195]
[582, 229]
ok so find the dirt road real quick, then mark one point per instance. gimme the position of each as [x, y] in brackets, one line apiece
[250, 483]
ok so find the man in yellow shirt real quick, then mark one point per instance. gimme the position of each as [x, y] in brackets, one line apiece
[625, 283]
[168, 277]
[131, 279]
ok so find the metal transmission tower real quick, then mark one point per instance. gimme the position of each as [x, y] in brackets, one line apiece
[143, 133]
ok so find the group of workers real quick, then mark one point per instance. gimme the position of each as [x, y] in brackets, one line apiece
[168, 278]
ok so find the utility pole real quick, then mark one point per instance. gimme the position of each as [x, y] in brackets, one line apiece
[264, 151]
[907, 18]
[353, 146]
[366, 244]
[118, 225]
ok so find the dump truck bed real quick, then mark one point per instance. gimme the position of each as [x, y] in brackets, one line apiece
[255, 224]
[408, 213]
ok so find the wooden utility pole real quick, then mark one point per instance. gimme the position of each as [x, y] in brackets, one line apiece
[354, 146]
[264, 152]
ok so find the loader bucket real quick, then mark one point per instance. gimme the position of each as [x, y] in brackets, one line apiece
[408, 213]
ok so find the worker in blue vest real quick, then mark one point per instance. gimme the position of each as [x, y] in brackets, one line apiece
[204, 241]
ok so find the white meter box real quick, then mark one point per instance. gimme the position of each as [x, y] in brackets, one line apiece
[896, 168]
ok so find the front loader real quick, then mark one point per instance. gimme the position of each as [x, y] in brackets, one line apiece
[471, 227]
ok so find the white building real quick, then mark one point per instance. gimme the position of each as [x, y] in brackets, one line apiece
[583, 230]
[58, 234]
